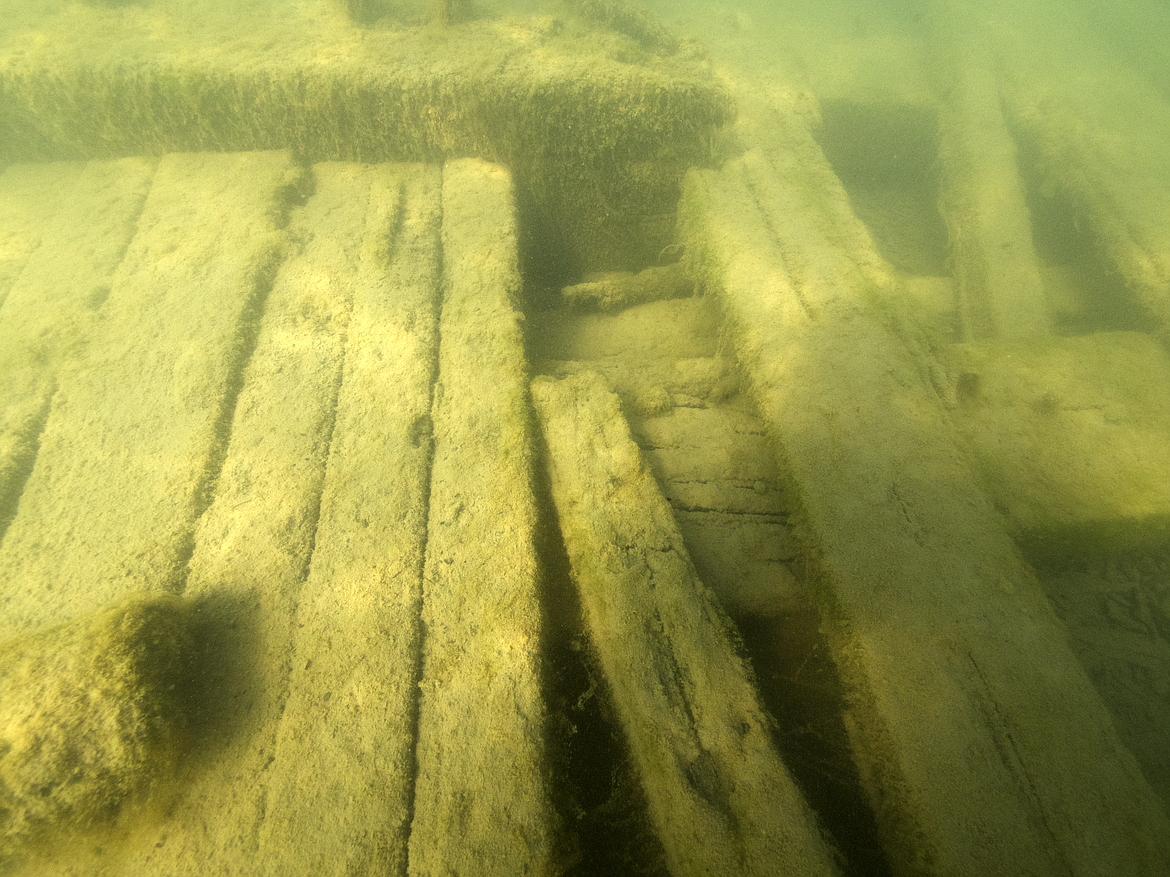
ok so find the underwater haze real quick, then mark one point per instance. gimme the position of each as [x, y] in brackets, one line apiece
[584, 437]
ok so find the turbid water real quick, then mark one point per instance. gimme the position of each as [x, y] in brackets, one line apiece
[585, 437]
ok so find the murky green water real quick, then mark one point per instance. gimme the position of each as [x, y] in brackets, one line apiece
[881, 289]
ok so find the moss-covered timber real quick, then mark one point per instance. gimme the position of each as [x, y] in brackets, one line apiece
[1072, 439]
[721, 800]
[481, 804]
[597, 141]
[347, 727]
[64, 226]
[1095, 130]
[993, 258]
[983, 743]
[257, 613]
[92, 721]
[135, 434]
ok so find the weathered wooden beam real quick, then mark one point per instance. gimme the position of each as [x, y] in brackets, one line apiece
[984, 745]
[481, 803]
[720, 799]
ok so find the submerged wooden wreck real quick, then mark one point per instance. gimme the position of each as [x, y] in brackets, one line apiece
[447, 440]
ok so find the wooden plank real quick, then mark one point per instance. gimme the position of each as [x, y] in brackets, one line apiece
[255, 542]
[343, 775]
[481, 803]
[962, 676]
[1096, 129]
[720, 798]
[129, 451]
[989, 227]
[1071, 436]
[31, 195]
[64, 228]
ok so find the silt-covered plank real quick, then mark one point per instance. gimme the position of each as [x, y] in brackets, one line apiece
[129, 450]
[343, 775]
[481, 804]
[962, 676]
[254, 544]
[64, 228]
[720, 799]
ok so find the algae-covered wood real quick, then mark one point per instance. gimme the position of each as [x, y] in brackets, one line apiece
[595, 142]
[962, 675]
[138, 419]
[347, 727]
[720, 798]
[63, 230]
[899, 377]
[481, 798]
